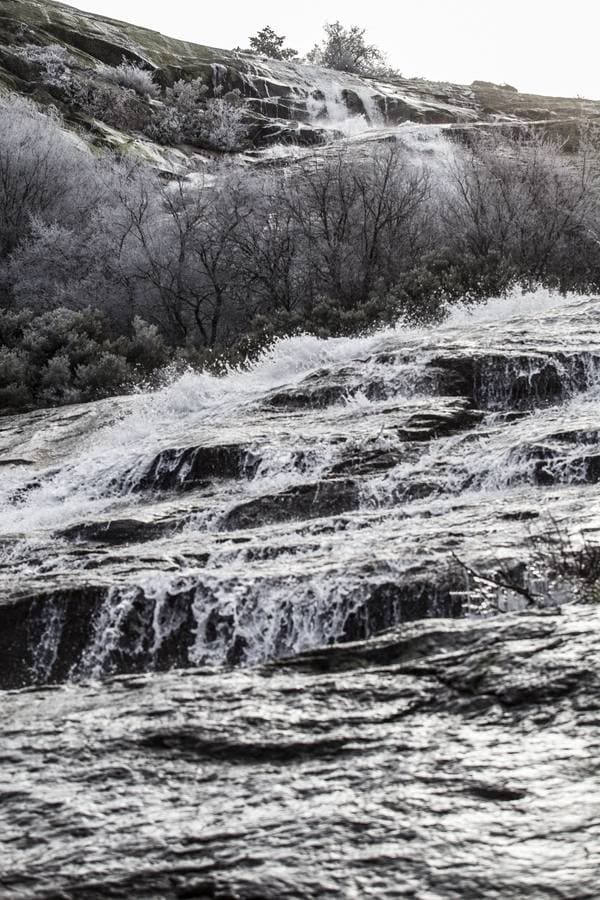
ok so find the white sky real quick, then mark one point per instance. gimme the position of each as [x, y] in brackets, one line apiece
[541, 46]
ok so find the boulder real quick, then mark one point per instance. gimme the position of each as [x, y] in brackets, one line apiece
[188, 468]
[306, 501]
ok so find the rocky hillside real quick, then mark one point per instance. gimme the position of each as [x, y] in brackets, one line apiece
[283, 101]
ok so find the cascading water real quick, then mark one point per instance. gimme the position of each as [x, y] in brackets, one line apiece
[155, 547]
[319, 495]
[341, 103]
[327, 108]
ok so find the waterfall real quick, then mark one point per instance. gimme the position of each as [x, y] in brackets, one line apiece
[374, 115]
[328, 109]
[316, 496]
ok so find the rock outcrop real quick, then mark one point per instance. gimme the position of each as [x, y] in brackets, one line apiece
[285, 102]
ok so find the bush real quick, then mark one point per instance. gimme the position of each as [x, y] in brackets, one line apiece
[146, 350]
[15, 391]
[38, 162]
[346, 50]
[104, 376]
[133, 77]
[179, 118]
[165, 125]
[121, 108]
[222, 127]
[53, 61]
[68, 357]
[425, 292]
[55, 379]
[187, 116]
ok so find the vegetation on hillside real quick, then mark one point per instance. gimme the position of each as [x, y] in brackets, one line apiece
[109, 272]
[347, 50]
[127, 97]
[267, 43]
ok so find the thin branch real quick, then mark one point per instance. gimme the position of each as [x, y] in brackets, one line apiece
[532, 599]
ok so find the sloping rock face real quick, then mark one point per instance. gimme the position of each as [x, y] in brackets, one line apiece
[334, 490]
[286, 102]
[502, 102]
[443, 760]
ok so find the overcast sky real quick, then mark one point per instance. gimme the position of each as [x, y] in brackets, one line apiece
[542, 46]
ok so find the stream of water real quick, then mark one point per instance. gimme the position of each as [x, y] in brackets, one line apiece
[321, 494]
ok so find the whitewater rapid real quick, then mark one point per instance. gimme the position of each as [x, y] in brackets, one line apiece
[125, 432]
[321, 492]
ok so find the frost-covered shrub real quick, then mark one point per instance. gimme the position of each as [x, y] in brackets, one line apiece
[120, 98]
[120, 108]
[187, 97]
[53, 61]
[133, 77]
[222, 126]
[179, 119]
[164, 126]
[189, 117]
[37, 166]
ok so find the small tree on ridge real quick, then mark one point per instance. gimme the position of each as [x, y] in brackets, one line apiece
[267, 43]
[346, 50]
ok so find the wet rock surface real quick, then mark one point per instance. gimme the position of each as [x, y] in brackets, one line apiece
[307, 501]
[440, 760]
[206, 525]
[286, 102]
[191, 467]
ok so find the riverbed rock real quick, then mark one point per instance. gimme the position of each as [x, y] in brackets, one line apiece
[514, 381]
[120, 531]
[188, 468]
[138, 538]
[443, 759]
[307, 501]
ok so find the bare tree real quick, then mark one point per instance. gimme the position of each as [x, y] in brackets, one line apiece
[178, 247]
[355, 220]
[522, 200]
[43, 172]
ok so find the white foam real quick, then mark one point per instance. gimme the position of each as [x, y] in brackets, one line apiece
[195, 406]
